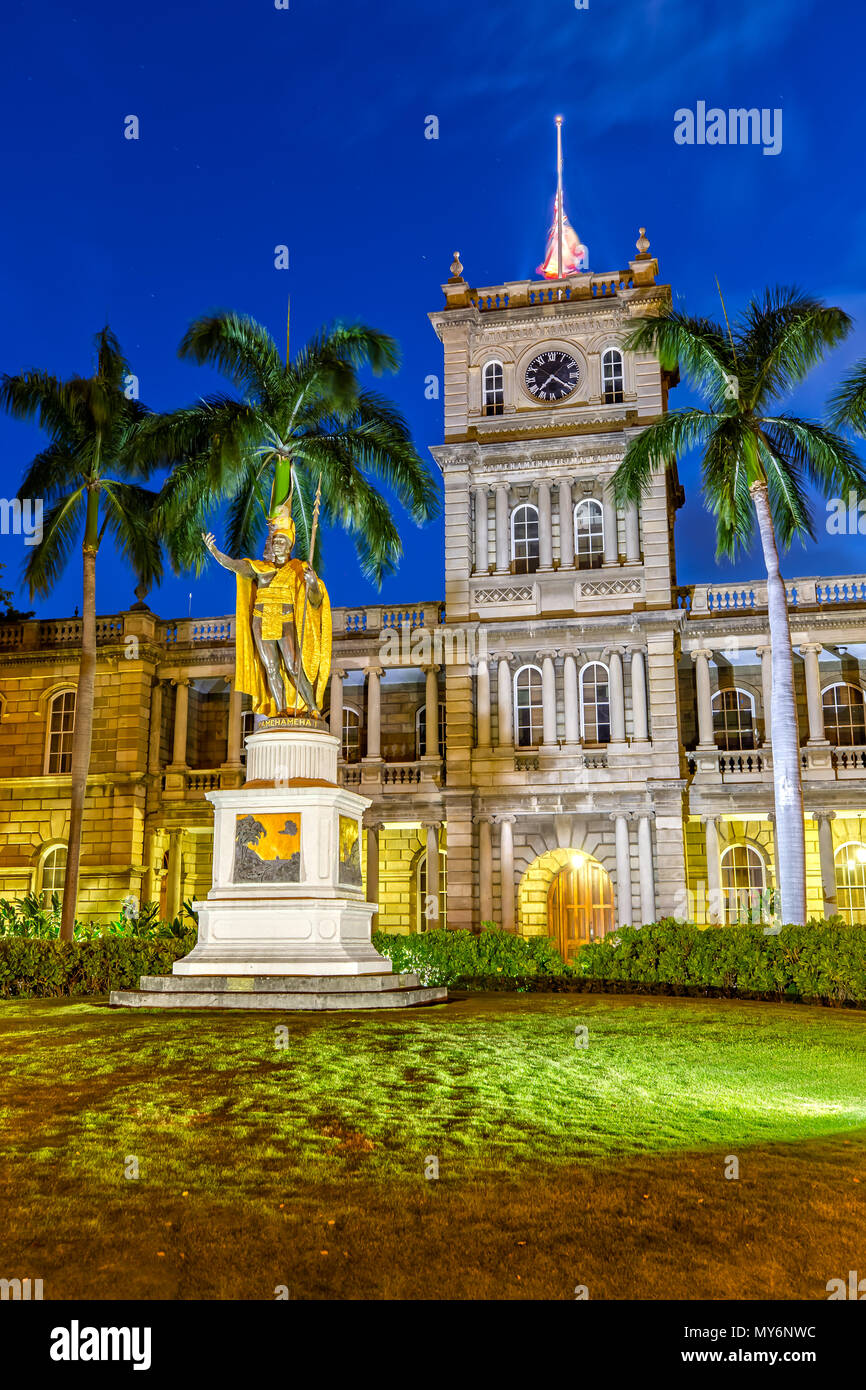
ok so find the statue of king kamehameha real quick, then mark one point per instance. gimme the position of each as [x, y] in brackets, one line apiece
[283, 625]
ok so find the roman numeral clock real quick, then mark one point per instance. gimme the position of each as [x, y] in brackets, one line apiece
[551, 376]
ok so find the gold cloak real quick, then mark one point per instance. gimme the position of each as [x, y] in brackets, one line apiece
[286, 588]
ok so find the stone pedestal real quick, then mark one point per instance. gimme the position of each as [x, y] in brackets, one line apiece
[286, 919]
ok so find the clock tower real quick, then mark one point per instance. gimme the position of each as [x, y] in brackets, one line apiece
[563, 730]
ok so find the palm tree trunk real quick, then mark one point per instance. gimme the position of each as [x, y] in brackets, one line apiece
[82, 733]
[787, 780]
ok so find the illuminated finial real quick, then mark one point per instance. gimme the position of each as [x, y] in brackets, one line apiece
[456, 267]
[642, 244]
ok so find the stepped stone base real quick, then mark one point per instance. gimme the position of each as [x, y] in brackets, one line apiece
[285, 924]
[299, 992]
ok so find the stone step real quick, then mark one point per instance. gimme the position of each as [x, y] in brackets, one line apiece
[278, 984]
[400, 998]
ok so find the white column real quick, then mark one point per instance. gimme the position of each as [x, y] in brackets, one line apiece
[373, 867]
[701, 659]
[485, 869]
[766, 656]
[431, 713]
[611, 540]
[548, 700]
[715, 911]
[828, 862]
[638, 697]
[233, 743]
[572, 716]
[503, 539]
[506, 871]
[481, 536]
[645, 870]
[545, 527]
[632, 534]
[432, 916]
[503, 690]
[336, 713]
[617, 698]
[374, 713]
[810, 652]
[482, 702]
[623, 871]
[181, 708]
[566, 525]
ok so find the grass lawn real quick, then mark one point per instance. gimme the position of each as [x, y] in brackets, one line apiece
[559, 1165]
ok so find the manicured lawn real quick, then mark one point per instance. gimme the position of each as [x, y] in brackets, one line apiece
[558, 1165]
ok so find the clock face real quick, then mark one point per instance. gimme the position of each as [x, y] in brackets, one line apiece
[551, 376]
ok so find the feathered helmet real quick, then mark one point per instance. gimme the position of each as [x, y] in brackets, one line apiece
[281, 524]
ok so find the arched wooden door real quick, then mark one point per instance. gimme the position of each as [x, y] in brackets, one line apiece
[579, 905]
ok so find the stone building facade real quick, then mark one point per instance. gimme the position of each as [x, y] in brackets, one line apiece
[569, 740]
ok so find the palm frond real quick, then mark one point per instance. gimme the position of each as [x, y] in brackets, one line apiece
[36, 394]
[60, 526]
[652, 450]
[700, 347]
[130, 512]
[826, 458]
[725, 485]
[241, 348]
[847, 405]
[780, 336]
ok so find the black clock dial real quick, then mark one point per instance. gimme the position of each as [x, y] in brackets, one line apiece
[552, 375]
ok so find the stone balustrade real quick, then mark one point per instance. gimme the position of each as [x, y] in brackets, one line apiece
[519, 294]
[746, 596]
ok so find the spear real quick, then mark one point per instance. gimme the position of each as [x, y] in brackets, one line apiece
[313, 531]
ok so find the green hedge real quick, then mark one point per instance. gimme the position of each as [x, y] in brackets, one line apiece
[443, 957]
[823, 960]
[50, 968]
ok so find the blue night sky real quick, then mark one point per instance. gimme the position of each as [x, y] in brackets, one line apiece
[306, 127]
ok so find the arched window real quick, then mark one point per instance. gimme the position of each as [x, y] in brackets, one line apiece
[493, 388]
[588, 533]
[595, 703]
[61, 721]
[744, 881]
[528, 716]
[351, 749]
[611, 376]
[421, 731]
[851, 882]
[524, 538]
[844, 715]
[734, 720]
[52, 873]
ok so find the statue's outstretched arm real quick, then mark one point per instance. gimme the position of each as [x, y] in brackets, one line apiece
[237, 566]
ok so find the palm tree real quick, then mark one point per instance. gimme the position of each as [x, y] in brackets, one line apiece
[848, 402]
[294, 423]
[757, 461]
[86, 478]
